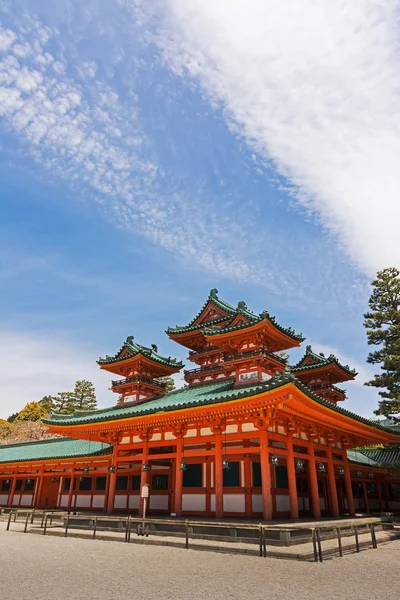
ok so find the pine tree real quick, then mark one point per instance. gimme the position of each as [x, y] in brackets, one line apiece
[33, 411]
[63, 403]
[12, 417]
[383, 330]
[84, 395]
[48, 403]
[169, 383]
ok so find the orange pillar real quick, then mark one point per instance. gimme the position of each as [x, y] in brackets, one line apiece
[144, 476]
[291, 471]
[38, 493]
[332, 484]
[112, 480]
[366, 501]
[71, 489]
[218, 477]
[312, 472]
[347, 482]
[12, 491]
[178, 477]
[265, 476]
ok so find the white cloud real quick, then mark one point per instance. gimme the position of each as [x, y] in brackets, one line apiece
[33, 365]
[313, 86]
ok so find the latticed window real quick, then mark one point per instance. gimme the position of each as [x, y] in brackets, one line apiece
[159, 483]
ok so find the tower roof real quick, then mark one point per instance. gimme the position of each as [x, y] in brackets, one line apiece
[130, 349]
[312, 361]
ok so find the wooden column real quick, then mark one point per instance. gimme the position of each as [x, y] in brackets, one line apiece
[347, 481]
[247, 481]
[312, 473]
[291, 471]
[366, 501]
[333, 497]
[379, 492]
[112, 479]
[178, 477]
[12, 490]
[144, 475]
[38, 491]
[71, 489]
[218, 477]
[265, 476]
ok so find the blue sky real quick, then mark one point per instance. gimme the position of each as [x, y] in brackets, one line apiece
[152, 151]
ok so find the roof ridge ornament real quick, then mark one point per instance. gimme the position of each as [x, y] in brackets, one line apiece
[213, 293]
[129, 339]
[154, 347]
[242, 305]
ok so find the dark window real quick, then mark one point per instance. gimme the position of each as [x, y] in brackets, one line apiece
[321, 490]
[18, 485]
[122, 483]
[371, 488]
[5, 485]
[281, 478]
[29, 485]
[394, 490]
[231, 476]
[356, 487]
[256, 466]
[85, 484]
[136, 482]
[101, 483]
[193, 476]
[67, 483]
[159, 482]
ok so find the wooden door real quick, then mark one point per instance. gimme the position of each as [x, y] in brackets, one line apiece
[49, 494]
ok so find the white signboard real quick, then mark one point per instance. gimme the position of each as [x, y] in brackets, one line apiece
[145, 491]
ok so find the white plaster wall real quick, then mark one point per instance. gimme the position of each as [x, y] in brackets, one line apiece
[134, 501]
[191, 433]
[306, 504]
[194, 502]
[159, 502]
[136, 439]
[232, 429]
[3, 499]
[212, 503]
[63, 500]
[206, 431]
[98, 501]
[155, 437]
[234, 503]
[256, 503]
[282, 503]
[26, 500]
[169, 436]
[322, 503]
[83, 501]
[16, 499]
[125, 440]
[356, 503]
[248, 427]
[120, 501]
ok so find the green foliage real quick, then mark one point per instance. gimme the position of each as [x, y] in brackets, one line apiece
[48, 403]
[5, 429]
[84, 395]
[383, 330]
[63, 403]
[12, 417]
[33, 411]
[168, 382]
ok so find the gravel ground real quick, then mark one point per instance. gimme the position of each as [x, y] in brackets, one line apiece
[49, 568]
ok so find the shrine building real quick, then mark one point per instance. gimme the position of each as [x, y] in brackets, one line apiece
[247, 436]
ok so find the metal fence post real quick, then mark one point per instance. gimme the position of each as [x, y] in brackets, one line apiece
[264, 543]
[373, 536]
[319, 545]
[187, 535]
[26, 522]
[356, 536]
[339, 539]
[94, 527]
[9, 520]
[66, 526]
[45, 524]
[314, 541]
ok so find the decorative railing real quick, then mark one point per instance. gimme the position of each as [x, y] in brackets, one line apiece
[138, 379]
[326, 387]
[206, 369]
[194, 353]
[261, 352]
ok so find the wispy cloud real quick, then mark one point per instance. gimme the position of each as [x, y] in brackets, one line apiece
[312, 86]
[34, 365]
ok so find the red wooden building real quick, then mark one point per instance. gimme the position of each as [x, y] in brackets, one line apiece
[247, 436]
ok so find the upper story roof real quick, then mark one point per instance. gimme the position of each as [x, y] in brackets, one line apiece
[131, 349]
[311, 361]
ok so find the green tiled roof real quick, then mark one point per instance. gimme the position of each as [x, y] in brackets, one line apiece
[218, 303]
[51, 448]
[320, 361]
[355, 456]
[253, 319]
[135, 349]
[201, 395]
[383, 455]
